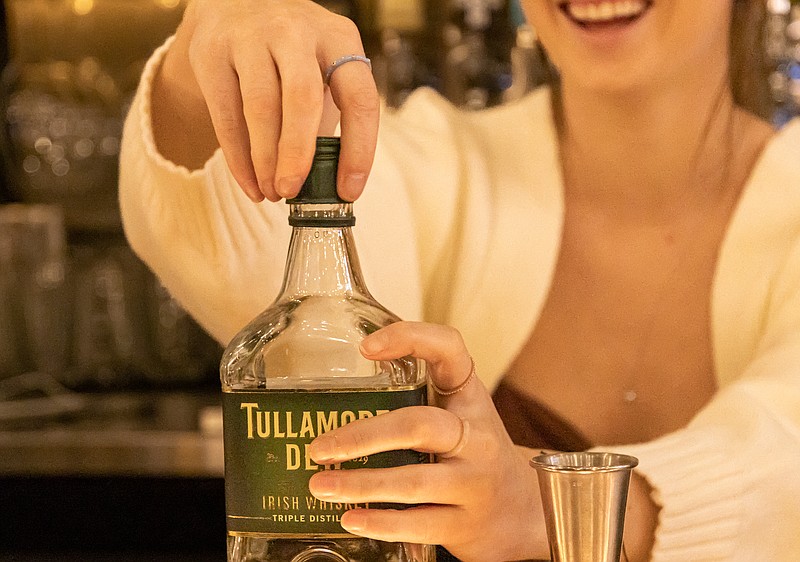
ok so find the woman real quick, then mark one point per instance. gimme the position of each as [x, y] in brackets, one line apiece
[623, 265]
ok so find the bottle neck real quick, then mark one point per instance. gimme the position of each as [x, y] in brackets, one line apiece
[322, 258]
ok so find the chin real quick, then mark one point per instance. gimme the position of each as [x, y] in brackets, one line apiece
[610, 81]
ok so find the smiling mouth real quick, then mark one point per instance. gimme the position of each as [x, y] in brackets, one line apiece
[604, 12]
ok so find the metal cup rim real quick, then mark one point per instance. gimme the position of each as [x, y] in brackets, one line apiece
[612, 462]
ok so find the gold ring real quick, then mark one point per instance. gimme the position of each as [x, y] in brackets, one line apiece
[460, 387]
[462, 441]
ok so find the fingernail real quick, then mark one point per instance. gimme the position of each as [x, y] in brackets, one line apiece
[253, 192]
[322, 449]
[322, 486]
[264, 187]
[353, 186]
[372, 344]
[288, 187]
[255, 197]
[353, 521]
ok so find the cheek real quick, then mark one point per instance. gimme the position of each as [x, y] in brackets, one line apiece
[702, 37]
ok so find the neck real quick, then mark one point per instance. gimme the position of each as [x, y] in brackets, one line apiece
[322, 258]
[643, 150]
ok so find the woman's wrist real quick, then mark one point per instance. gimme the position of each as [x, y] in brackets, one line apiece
[182, 127]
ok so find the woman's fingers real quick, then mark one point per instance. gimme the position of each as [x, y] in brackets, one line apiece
[424, 524]
[412, 484]
[440, 346]
[260, 65]
[355, 94]
[419, 428]
[482, 481]
[220, 86]
[258, 81]
[301, 96]
[360, 110]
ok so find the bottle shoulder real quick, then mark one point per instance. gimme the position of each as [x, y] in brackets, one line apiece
[313, 342]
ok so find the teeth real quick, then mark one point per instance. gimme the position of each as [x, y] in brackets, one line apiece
[605, 11]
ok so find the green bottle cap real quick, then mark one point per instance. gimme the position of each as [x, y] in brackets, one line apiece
[320, 185]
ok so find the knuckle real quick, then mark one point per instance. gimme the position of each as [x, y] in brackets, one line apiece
[260, 101]
[303, 94]
[421, 422]
[454, 339]
[362, 101]
[226, 123]
[361, 487]
[410, 486]
[293, 153]
[355, 440]
[282, 24]
[346, 27]
[209, 43]
[421, 431]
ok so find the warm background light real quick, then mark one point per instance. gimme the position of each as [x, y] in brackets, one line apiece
[82, 7]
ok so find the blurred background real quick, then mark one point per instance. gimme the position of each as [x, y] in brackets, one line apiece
[110, 437]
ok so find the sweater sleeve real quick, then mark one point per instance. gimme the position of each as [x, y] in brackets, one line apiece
[219, 254]
[728, 483]
[222, 256]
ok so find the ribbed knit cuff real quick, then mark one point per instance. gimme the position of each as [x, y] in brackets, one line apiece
[698, 486]
[145, 115]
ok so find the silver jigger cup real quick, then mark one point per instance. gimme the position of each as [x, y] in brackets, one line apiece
[584, 497]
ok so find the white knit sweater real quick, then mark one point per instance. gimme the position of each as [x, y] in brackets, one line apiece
[460, 224]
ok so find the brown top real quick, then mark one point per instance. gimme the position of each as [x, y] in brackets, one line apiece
[532, 424]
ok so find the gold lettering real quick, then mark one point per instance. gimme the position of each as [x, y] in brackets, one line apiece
[249, 406]
[281, 503]
[324, 424]
[292, 456]
[282, 425]
[276, 418]
[307, 426]
[263, 424]
[289, 432]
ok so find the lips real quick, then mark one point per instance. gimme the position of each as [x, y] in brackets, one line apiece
[605, 12]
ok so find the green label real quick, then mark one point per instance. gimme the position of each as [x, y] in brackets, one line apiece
[267, 467]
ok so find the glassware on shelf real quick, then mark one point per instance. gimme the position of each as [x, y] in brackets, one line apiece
[74, 65]
[33, 304]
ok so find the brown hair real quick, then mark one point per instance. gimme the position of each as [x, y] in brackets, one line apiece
[749, 65]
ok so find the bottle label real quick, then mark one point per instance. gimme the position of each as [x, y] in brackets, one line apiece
[267, 467]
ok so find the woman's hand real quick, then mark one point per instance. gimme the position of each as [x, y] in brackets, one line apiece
[480, 500]
[247, 76]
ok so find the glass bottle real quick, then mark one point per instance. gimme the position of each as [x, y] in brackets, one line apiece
[296, 371]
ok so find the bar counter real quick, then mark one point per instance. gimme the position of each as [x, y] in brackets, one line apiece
[129, 477]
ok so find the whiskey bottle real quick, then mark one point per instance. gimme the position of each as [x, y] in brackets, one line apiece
[295, 372]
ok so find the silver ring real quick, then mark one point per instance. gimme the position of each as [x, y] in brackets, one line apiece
[343, 61]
